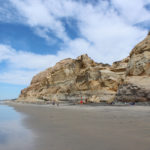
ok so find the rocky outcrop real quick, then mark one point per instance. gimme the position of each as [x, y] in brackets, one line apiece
[120, 66]
[136, 83]
[126, 80]
[132, 93]
[139, 63]
[72, 78]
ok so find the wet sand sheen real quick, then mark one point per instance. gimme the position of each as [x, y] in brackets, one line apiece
[13, 135]
[87, 128]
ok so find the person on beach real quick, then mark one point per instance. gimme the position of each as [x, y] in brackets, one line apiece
[86, 101]
[53, 102]
[132, 103]
[57, 102]
[81, 102]
[74, 102]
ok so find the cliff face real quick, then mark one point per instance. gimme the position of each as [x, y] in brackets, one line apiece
[136, 86]
[72, 78]
[69, 79]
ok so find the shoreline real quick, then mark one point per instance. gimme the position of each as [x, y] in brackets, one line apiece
[68, 103]
[84, 128]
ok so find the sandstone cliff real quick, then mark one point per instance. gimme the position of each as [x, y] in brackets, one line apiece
[136, 86]
[69, 79]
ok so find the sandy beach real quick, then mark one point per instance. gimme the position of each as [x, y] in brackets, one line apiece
[87, 128]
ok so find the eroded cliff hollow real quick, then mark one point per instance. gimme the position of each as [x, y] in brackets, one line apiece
[69, 79]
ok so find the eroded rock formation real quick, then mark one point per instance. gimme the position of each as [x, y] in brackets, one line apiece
[69, 79]
[136, 86]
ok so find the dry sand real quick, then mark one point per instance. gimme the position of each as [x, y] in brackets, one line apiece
[88, 128]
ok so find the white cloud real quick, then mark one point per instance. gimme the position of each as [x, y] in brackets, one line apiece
[132, 11]
[22, 66]
[19, 77]
[5, 52]
[37, 13]
[43, 33]
[107, 32]
[21, 59]
[8, 13]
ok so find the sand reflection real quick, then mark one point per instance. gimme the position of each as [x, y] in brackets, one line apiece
[13, 135]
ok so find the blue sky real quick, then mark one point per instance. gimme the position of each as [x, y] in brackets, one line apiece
[35, 34]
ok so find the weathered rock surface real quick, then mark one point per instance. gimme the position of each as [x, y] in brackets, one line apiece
[139, 63]
[126, 80]
[136, 85]
[72, 78]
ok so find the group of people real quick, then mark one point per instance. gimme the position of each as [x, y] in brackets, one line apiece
[55, 102]
[83, 102]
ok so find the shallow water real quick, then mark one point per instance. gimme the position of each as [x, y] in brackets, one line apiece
[13, 135]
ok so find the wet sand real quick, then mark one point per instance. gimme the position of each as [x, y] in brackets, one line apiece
[13, 134]
[87, 128]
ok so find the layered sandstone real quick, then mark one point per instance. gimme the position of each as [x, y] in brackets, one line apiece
[72, 78]
[126, 80]
[136, 86]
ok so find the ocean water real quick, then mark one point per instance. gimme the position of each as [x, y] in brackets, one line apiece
[13, 134]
